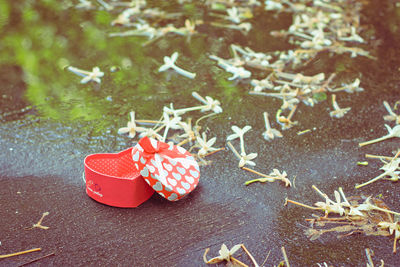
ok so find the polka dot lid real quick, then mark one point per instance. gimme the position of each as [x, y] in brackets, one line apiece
[170, 170]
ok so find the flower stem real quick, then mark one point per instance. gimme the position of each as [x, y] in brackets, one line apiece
[372, 180]
[199, 97]
[234, 150]
[267, 125]
[147, 121]
[79, 71]
[258, 173]
[184, 110]
[184, 72]
[377, 157]
[261, 180]
[385, 210]
[321, 193]
[212, 152]
[165, 133]
[242, 151]
[301, 204]
[375, 140]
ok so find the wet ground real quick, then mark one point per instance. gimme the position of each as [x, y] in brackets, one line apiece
[50, 122]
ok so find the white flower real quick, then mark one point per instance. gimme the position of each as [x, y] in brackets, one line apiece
[169, 63]
[131, 127]
[260, 85]
[331, 206]
[88, 76]
[395, 132]
[273, 5]
[238, 133]
[354, 86]
[337, 112]
[247, 159]
[149, 132]
[270, 133]
[393, 227]
[205, 146]
[170, 124]
[233, 15]
[210, 103]
[238, 73]
[392, 116]
[225, 254]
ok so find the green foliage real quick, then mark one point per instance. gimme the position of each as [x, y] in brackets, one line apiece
[320, 96]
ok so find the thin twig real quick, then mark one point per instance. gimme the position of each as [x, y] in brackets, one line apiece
[250, 256]
[370, 262]
[266, 258]
[37, 259]
[239, 262]
[285, 257]
[19, 253]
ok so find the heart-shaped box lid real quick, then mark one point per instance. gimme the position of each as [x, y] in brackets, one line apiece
[169, 169]
[112, 179]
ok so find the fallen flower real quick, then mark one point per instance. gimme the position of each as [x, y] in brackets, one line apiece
[233, 15]
[224, 255]
[392, 116]
[286, 122]
[337, 112]
[247, 159]
[270, 133]
[371, 217]
[131, 128]
[238, 133]
[169, 63]
[243, 158]
[205, 146]
[94, 75]
[260, 85]
[210, 103]
[393, 132]
[393, 227]
[272, 177]
[238, 73]
[391, 169]
[244, 27]
[350, 88]
[170, 123]
[149, 132]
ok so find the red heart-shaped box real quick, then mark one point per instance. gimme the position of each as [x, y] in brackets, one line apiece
[112, 179]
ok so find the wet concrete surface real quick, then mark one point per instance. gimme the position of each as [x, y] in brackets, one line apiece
[42, 163]
[46, 175]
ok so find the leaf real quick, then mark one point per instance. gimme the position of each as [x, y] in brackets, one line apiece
[321, 96]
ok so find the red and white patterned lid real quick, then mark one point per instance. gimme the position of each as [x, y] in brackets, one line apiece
[169, 169]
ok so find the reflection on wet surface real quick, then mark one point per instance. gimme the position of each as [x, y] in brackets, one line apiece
[50, 122]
